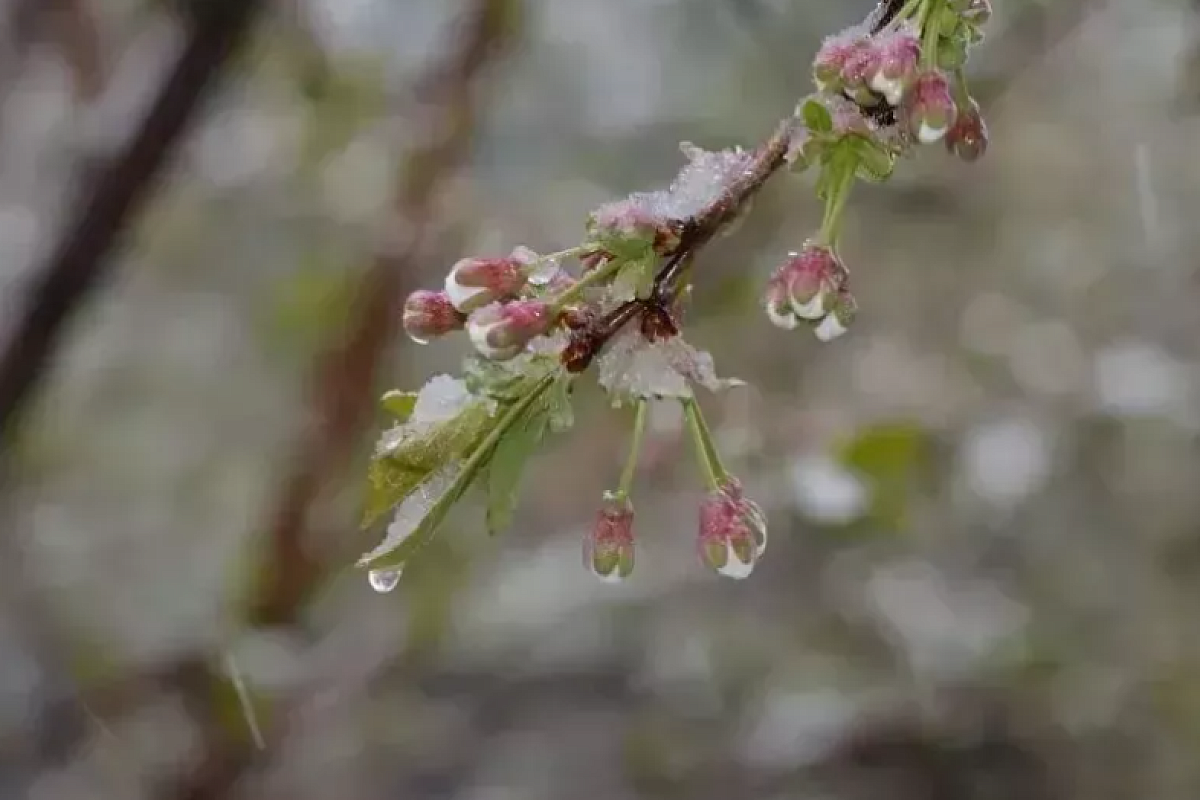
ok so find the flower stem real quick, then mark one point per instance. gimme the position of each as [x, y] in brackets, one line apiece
[600, 273]
[715, 473]
[930, 30]
[842, 171]
[905, 12]
[635, 448]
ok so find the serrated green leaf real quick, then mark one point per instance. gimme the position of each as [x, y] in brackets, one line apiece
[471, 469]
[428, 448]
[816, 116]
[507, 464]
[399, 404]
[561, 412]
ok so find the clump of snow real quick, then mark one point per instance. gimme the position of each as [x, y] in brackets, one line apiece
[633, 367]
[414, 508]
[700, 183]
[441, 398]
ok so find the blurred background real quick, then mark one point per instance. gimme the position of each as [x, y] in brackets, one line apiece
[983, 576]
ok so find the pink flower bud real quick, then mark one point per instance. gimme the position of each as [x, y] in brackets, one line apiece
[733, 532]
[474, 282]
[830, 63]
[968, 136]
[842, 312]
[807, 282]
[929, 108]
[860, 66]
[428, 314]
[899, 53]
[608, 546]
[500, 331]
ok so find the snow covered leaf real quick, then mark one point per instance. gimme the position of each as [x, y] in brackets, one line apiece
[420, 501]
[634, 368]
[507, 464]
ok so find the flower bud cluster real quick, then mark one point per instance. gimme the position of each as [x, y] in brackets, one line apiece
[812, 285]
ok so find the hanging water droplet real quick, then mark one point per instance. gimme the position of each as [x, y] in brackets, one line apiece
[417, 339]
[383, 580]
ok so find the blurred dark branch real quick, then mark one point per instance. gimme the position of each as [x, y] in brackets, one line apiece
[84, 255]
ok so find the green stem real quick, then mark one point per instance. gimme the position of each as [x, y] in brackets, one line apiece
[715, 473]
[474, 463]
[635, 448]
[835, 201]
[600, 273]
[905, 12]
[930, 30]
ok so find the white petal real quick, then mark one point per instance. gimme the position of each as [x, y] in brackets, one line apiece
[787, 321]
[478, 334]
[734, 567]
[829, 328]
[928, 135]
[813, 309]
[461, 296]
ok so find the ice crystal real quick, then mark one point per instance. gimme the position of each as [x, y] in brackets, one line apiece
[633, 367]
[441, 398]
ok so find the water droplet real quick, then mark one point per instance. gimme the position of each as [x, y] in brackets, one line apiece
[418, 339]
[383, 580]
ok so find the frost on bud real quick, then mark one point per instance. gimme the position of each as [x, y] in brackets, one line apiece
[929, 108]
[841, 314]
[733, 532]
[474, 282]
[896, 66]
[830, 62]
[804, 286]
[428, 314]
[608, 546]
[500, 331]
[968, 136]
[635, 221]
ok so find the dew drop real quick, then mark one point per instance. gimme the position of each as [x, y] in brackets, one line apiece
[418, 339]
[383, 580]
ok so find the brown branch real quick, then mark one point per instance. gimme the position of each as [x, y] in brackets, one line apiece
[84, 255]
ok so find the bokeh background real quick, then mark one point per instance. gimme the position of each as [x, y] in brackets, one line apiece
[983, 576]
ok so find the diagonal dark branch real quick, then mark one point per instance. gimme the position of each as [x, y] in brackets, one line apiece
[80, 261]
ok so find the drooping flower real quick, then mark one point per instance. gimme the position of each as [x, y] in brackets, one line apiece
[733, 532]
[500, 331]
[968, 136]
[929, 109]
[428, 314]
[836, 52]
[804, 286]
[608, 545]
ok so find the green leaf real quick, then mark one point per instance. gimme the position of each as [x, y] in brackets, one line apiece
[561, 412]
[875, 162]
[426, 449]
[507, 464]
[816, 116]
[399, 404]
[479, 456]
[387, 484]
